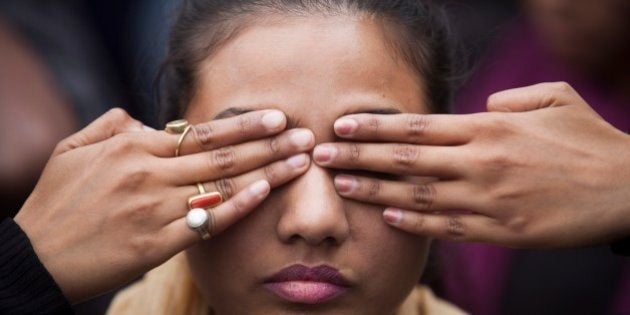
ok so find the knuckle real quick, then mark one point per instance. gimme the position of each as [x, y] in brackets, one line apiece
[354, 153]
[118, 114]
[203, 134]
[373, 188]
[454, 227]
[405, 155]
[423, 196]
[244, 123]
[224, 158]
[137, 175]
[495, 121]
[493, 100]
[416, 125]
[517, 224]
[143, 246]
[241, 205]
[497, 126]
[271, 173]
[500, 162]
[133, 178]
[373, 124]
[121, 144]
[226, 187]
[273, 145]
[561, 87]
[418, 224]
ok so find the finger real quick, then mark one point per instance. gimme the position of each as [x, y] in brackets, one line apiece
[213, 134]
[276, 174]
[428, 197]
[113, 122]
[236, 159]
[534, 97]
[407, 128]
[228, 131]
[393, 158]
[448, 226]
[179, 236]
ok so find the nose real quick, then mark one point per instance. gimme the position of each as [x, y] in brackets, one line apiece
[314, 212]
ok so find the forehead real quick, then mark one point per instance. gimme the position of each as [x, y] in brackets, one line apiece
[315, 69]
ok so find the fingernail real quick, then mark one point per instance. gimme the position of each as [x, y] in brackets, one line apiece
[392, 215]
[259, 188]
[346, 126]
[273, 120]
[345, 184]
[324, 153]
[297, 161]
[301, 138]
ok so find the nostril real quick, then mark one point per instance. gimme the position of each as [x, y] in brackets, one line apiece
[327, 241]
[330, 241]
[294, 238]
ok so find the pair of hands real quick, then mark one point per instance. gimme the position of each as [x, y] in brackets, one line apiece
[108, 206]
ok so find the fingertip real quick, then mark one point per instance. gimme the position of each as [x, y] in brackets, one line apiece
[274, 120]
[302, 138]
[393, 216]
[324, 153]
[345, 126]
[298, 161]
[260, 188]
[345, 184]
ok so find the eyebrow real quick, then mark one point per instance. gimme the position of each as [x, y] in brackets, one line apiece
[292, 122]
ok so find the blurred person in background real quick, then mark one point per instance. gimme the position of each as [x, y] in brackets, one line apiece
[586, 44]
[55, 77]
[58, 72]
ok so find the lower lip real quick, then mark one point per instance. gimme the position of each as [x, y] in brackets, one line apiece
[306, 292]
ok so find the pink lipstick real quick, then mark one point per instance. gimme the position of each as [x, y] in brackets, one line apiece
[301, 284]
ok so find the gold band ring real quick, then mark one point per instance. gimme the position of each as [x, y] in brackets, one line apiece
[176, 127]
[202, 190]
[181, 139]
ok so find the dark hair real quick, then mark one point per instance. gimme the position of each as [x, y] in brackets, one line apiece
[418, 31]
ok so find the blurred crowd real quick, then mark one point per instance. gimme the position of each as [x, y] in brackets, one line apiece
[64, 63]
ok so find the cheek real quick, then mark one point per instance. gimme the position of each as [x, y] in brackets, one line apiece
[392, 260]
[224, 266]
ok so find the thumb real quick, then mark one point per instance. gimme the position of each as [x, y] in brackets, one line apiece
[534, 97]
[113, 122]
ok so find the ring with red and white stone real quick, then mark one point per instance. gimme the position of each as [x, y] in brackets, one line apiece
[199, 220]
[205, 200]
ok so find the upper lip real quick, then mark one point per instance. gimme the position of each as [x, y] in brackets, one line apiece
[298, 272]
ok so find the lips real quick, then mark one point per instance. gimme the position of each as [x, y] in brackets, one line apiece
[302, 284]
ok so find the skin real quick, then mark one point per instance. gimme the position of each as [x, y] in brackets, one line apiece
[111, 202]
[109, 205]
[548, 171]
[315, 70]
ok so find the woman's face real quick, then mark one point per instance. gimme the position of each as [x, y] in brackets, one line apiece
[314, 70]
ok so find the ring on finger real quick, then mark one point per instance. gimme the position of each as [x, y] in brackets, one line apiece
[181, 139]
[202, 190]
[205, 200]
[176, 126]
[201, 221]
